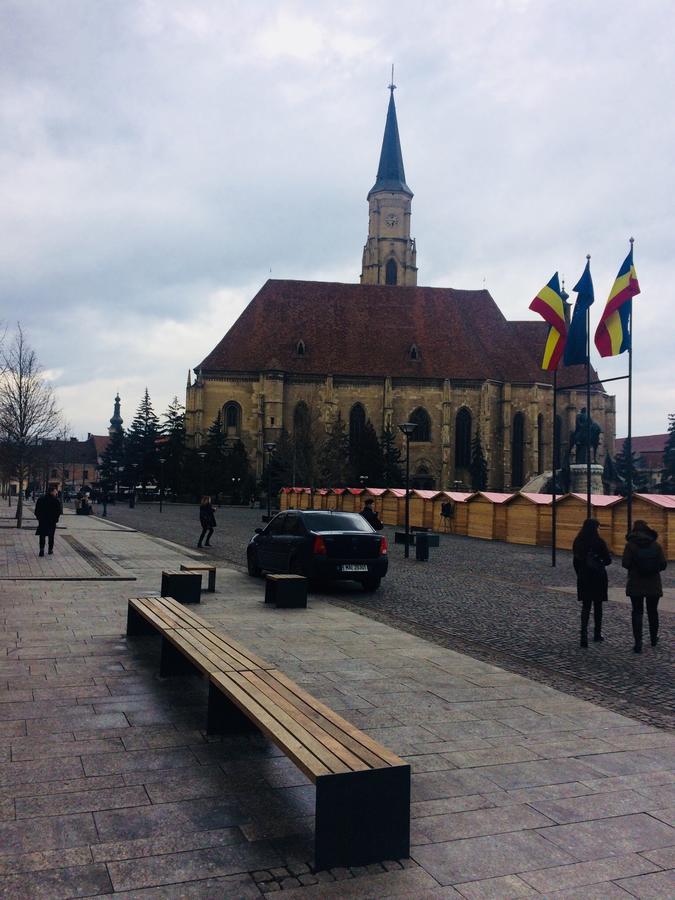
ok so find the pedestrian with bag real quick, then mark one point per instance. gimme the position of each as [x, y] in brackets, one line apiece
[207, 519]
[644, 558]
[48, 511]
[591, 558]
[371, 517]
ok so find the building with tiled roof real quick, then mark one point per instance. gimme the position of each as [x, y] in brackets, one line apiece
[650, 449]
[391, 351]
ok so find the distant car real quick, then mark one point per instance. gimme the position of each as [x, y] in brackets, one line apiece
[320, 544]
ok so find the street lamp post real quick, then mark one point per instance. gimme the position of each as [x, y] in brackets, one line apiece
[161, 481]
[407, 428]
[269, 448]
[202, 456]
[235, 489]
[132, 495]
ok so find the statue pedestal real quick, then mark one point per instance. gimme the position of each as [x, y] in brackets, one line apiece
[578, 479]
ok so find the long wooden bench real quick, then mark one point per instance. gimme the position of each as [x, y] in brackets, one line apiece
[362, 789]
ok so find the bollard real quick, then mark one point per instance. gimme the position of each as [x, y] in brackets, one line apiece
[422, 546]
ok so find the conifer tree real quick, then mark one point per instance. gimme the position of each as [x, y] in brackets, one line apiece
[392, 473]
[112, 460]
[173, 447]
[334, 457]
[668, 472]
[633, 464]
[367, 457]
[216, 480]
[478, 468]
[142, 445]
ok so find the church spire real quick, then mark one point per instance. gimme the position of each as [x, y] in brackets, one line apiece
[390, 172]
[390, 255]
[116, 420]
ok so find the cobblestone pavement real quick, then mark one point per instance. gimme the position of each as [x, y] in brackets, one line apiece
[110, 787]
[502, 603]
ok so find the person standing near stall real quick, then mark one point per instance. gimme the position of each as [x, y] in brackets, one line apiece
[48, 511]
[591, 558]
[644, 558]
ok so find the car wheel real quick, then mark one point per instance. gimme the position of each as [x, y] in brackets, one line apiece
[254, 569]
[371, 583]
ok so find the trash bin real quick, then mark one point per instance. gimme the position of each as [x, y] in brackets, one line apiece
[422, 546]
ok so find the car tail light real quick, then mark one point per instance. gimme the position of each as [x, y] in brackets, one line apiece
[319, 546]
[383, 546]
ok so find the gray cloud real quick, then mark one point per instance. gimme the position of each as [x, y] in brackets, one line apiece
[158, 158]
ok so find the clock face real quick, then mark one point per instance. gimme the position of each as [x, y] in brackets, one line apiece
[391, 220]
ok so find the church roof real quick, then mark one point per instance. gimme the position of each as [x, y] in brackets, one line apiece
[369, 330]
[390, 172]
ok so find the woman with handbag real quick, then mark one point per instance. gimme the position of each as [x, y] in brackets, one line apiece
[591, 558]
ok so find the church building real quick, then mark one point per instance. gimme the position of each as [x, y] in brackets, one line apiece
[390, 351]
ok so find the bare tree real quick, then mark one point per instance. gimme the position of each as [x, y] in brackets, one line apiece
[28, 410]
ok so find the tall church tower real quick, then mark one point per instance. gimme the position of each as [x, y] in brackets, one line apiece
[389, 255]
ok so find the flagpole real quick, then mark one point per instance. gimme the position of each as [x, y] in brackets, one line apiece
[588, 408]
[629, 441]
[555, 456]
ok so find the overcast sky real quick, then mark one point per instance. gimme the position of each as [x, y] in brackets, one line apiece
[160, 158]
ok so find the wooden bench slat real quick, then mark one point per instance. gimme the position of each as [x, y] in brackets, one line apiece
[333, 725]
[232, 661]
[270, 726]
[246, 658]
[157, 606]
[328, 741]
[385, 755]
[186, 615]
[193, 654]
[156, 618]
[327, 760]
[191, 638]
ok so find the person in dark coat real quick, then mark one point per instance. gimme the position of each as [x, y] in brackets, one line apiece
[591, 557]
[208, 521]
[369, 514]
[48, 511]
[644, 558]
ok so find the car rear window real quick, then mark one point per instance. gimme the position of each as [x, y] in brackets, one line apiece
[336, 522]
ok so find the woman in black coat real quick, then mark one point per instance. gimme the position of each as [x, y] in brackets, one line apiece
[644, 558]
[48, 511]
[207, 519]
[591, 557]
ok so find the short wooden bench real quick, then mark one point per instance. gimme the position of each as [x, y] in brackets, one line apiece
[210, 570]
[286, 591]
[362, 789]
[186, 587]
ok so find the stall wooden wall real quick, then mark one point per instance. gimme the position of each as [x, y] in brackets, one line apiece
[481, 518]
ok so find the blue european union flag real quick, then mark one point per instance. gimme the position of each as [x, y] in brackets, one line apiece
[577, 337]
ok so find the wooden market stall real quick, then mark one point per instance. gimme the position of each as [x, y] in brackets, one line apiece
[351, 500]
[393, 506]
[457, 523]
[487, 515]
[528, 519]
[422, 508]
[657, 510]
[334, 498]
[571, 514]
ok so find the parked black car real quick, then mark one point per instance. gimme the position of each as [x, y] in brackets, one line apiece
[320, 544]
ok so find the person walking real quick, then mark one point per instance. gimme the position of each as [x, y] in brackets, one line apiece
[208, 521]
[48, 511]
[591, 558]
[371, 517]
[644, 558]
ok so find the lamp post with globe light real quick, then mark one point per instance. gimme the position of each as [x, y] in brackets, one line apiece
[269, 448]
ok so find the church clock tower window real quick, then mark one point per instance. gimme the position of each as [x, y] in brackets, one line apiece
[391, 272]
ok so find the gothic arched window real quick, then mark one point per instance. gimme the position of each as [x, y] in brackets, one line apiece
[300, 419]
[423, 431]
[391, 272]
[414, 352]
[540, 443]
[300, 348]
[232, 419]
[463, 439]
[357, 422]
[518, 451]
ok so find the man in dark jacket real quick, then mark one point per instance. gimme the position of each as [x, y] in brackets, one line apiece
[644, 558]
[371, 517]
[48, 511]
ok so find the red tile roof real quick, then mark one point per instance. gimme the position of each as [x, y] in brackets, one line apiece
[648, 443]
[355, 329]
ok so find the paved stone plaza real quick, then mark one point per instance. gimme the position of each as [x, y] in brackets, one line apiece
[108, 785]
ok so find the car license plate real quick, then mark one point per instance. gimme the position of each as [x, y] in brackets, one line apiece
[354, 568]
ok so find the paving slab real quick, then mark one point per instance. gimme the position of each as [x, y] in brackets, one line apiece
[109, 785]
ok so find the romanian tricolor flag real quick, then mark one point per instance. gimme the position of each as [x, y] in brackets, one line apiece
[613, 333]
[550, 305]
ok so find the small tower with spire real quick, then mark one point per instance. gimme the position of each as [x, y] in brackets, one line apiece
[389, 255]
[116, 420]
